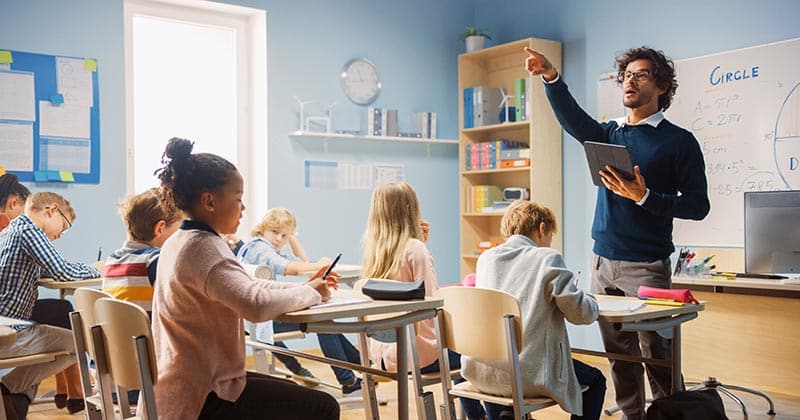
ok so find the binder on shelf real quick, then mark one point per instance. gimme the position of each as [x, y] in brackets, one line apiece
[521, 99]
[486, 102]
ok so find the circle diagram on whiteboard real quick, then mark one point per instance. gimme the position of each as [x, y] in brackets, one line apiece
[787, 140]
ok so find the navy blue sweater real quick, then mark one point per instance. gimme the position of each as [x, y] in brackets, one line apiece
[672, 165]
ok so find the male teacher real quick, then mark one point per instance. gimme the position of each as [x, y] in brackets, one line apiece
[632, 227]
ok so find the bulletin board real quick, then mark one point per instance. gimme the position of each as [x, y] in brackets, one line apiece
[49, 117]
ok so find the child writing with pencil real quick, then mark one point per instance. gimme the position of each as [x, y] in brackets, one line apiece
[26, 254]
[275, 245]
[131, 270]
[394, 249]
[202, 293]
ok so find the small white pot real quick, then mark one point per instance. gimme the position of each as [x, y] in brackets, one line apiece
[475, 43]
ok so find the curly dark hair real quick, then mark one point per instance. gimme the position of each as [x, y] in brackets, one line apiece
[663, 71]
[9, 185]
[185, 176]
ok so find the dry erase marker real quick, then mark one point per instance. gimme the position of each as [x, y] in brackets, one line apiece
[330, 267]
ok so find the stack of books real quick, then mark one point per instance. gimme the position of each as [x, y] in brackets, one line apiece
[480, 196]
[497, 154]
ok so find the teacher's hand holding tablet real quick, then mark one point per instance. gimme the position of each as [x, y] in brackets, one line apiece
[633, 189]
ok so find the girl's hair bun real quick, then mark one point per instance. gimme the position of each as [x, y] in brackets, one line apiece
[178, 149]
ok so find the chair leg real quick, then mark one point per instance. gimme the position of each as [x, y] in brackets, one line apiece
[766, 396]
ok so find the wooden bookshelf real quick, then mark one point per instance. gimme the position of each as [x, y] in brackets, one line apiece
[500, 66]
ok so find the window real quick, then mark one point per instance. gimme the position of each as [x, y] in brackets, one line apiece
[196, 72]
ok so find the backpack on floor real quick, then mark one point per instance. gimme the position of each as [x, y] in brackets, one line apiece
[688, 405]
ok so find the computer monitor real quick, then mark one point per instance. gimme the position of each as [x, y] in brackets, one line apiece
[772, 232]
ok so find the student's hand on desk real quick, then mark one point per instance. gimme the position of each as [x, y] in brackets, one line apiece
[426, 229]
[633, 189]
[537, 64]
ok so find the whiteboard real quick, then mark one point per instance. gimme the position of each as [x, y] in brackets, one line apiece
[743, 107]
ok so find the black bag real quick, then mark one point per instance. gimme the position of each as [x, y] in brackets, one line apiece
[688, 405]
[390, 290]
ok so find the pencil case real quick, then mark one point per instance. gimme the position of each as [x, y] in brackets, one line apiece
[677, 295]
[393, 290]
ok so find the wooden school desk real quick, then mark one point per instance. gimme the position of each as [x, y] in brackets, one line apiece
[67, 288]
[333, 320]
[749, 336]
[650, 318]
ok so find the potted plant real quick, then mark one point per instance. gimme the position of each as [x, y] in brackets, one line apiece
[474, 37]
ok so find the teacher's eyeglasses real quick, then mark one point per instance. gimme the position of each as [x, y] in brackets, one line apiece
[639, 75]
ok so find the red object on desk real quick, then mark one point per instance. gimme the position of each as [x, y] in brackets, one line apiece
[678, 295]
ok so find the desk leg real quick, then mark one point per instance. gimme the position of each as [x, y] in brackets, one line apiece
[367, 388]
[677, 378]
[402, 375]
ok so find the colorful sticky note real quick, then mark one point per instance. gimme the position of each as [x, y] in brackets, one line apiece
[89, 64]
[53, 176]
[5, 57]
[40, 176]
[57, 99]
[66, 176]
[2, 170]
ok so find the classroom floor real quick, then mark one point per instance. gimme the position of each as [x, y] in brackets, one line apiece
[787, 406]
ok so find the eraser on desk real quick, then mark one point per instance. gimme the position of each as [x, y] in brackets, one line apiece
[5, 57]
[53, 176]
[57, 99]
[66, 176]
[40, 176]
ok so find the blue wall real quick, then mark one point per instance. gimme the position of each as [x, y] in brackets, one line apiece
[592, 34]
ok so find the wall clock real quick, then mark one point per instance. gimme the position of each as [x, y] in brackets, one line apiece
[360, 81]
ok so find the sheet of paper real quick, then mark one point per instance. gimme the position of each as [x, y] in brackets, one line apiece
[354, 176]
[74, 81]
[389, 172]
[17, 96]
[64, 120]
[320, 174]
[16, 146]
[609, 98]
[73, 155]
[12, 321]
[338, 299]
[619, 305]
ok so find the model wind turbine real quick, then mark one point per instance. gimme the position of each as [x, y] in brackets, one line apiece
[302, 112]
[504, 104]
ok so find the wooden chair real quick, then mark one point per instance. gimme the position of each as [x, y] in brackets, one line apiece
[82, 319]
[123, 345]
[484, 324]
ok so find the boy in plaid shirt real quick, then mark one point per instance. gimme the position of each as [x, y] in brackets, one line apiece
[26, 254]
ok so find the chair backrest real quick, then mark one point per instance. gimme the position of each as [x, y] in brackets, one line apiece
[473, 321]
[83, 301]
[121, 323]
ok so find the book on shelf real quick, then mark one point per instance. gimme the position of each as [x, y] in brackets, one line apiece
[489, 155]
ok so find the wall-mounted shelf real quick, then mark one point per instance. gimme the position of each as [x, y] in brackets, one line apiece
[336, 136]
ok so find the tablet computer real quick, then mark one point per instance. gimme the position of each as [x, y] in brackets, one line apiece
[598, 155]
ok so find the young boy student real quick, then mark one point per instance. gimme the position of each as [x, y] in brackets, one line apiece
[271, 236]
[202, 294]
[527, 268]
[131, 270]
[26, 254]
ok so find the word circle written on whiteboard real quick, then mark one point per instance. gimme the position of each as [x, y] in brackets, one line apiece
[743, 107]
